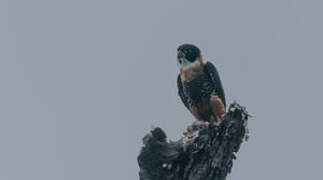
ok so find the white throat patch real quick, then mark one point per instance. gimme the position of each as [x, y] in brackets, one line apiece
[187, 64]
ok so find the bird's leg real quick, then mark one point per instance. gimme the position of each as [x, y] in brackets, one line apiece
[218, 108]
[198, 122]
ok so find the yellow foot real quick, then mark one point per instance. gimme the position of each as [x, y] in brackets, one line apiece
[198, 122]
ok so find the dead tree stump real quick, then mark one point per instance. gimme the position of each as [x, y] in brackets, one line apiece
[204, 153]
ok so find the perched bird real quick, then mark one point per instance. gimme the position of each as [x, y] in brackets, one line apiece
[199, 86]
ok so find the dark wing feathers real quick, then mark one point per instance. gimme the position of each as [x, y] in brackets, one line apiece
[214, 75]
[181, 92]
[211, 71]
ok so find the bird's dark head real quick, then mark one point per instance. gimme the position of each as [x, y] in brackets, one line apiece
[188, 55]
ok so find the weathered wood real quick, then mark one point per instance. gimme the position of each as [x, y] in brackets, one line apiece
[204, 153]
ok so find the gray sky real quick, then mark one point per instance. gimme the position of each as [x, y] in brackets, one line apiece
[83, 80]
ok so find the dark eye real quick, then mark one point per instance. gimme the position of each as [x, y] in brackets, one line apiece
[180, 61]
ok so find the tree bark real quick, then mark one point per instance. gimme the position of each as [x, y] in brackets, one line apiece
[203, 153]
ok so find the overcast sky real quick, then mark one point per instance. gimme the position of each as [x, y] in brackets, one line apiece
[83, 80]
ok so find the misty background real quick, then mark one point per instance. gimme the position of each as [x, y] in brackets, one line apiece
[82, 81]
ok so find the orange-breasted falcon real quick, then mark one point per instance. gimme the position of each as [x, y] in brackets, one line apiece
[199, 86]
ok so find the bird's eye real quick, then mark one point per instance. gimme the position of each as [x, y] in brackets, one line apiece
[180, 61]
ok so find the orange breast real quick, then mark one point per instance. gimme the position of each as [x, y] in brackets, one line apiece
[203, 109]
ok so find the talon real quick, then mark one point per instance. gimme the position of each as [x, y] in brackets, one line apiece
[198, 122]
